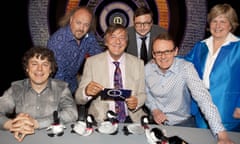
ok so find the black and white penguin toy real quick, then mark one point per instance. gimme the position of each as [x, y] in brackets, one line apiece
[110, 125]
[84, 128]
[56, 128]
[157, 136]
[154, 135]
[136, 128]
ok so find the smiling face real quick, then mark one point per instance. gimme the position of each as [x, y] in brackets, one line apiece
[143, 24]
[164, 53]
[38, 71]
[116, 42]
[220, 27]
[80, 23]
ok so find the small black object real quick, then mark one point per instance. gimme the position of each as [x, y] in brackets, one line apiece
[126, 131]
[115, 94]
[55, 118]
[176, 140]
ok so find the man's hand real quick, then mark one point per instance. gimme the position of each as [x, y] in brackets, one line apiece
[223, 138]
[93, 89]
[21, 126]
[132, 102]
[158, 116]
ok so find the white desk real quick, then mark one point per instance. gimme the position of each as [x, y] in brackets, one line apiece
[191, 135]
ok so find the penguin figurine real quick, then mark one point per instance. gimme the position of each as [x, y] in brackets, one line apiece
[84, 128]
[136, 128]
[110, 125]
[145, 122]
[56, 128]
[154, 135]
[157, 137]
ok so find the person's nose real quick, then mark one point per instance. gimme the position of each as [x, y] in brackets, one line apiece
[218, 24]
[118, 40]
[39, 67]
[163, 55]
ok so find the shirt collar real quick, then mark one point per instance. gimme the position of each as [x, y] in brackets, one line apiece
[121, 59]
[139, 36]
[230, 38]
[29, 86]
[172, 69]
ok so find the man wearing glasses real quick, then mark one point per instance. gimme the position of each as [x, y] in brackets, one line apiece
[170, 84]
[143, 29]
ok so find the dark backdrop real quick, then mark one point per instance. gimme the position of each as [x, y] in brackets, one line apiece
[16, 38]
[15, 41]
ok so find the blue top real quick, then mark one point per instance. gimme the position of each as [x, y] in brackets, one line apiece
[170, 93]
[69, 55]
[224, 81]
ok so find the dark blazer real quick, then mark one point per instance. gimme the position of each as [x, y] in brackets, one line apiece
[132, 42]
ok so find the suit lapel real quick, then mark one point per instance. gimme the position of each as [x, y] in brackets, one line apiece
[133, 41]
[101, 70]
[128, 72]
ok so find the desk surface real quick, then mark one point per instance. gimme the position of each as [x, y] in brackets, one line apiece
[191, 135]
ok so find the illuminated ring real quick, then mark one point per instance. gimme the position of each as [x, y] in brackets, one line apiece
[114, 93]
[116, 12]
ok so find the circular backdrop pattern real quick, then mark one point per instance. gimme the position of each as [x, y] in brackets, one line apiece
[121, 11]
[118, 11]
[115, 12]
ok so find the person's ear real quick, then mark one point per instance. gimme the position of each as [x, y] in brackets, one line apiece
[176, 51]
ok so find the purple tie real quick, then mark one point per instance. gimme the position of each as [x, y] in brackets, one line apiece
[119, 105]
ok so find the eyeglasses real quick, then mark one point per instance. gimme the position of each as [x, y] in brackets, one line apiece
[166, 52]
[144, 24]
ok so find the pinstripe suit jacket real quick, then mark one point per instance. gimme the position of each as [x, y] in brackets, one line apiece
[132, 40]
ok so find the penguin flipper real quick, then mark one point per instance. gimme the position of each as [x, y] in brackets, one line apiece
[60, 134]
[51, 134]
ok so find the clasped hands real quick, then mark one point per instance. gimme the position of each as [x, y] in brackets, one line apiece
[21, 126]
[94, 88]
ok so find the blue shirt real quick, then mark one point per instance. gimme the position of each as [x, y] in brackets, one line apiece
[223, 81]
[171, 92]
[69, 55]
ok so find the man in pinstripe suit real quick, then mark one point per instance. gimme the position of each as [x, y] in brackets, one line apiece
[143, 27]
